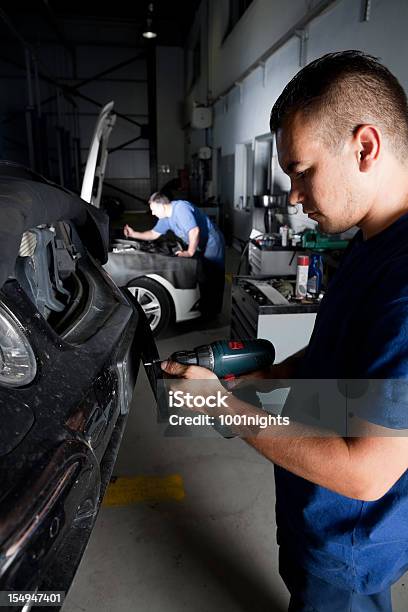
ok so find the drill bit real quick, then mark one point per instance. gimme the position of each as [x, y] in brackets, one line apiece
[149, 363]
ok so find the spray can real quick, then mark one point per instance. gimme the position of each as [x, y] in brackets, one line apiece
[301, 275]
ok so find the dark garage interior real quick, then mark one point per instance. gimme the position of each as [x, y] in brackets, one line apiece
[150, 204]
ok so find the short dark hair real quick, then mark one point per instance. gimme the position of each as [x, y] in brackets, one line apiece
[159, 198]
[344, 90]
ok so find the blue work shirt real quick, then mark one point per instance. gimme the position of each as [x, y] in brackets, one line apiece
[184, 217]
[361, 332]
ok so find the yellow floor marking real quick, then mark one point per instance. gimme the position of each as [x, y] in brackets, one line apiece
[127, 491]
[228, 277]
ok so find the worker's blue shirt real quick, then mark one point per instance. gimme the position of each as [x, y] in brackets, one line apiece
[184, 217]
[361, 332]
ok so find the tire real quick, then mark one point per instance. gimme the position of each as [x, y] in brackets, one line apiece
[155, 302]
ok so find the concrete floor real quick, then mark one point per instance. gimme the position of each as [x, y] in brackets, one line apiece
[213, 551]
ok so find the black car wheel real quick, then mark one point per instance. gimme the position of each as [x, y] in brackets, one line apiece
[155, 302]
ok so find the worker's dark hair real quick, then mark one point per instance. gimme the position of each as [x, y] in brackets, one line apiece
[344, 90]
[158, 198]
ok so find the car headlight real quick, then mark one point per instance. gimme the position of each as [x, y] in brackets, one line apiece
[18, 365]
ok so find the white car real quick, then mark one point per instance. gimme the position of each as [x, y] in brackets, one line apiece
[164, 285]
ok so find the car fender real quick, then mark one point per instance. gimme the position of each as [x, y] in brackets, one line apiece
[183, 299]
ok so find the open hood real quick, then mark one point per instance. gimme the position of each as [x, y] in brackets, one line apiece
[97, 157]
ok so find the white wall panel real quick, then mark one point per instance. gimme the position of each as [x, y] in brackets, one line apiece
[247, 115]
[262, 24]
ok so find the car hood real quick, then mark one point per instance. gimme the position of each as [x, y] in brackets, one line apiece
[98, 156]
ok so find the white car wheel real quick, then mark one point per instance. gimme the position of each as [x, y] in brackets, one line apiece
[155, 302]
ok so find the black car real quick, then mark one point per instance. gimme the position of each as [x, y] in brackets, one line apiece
[70, 348]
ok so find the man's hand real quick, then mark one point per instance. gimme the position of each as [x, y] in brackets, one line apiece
[148, 235]
[183, 254]
[128, 231]
[194, 380]
[261, 380]
[190, 372]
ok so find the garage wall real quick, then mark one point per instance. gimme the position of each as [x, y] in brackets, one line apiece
[262, 24]
[338, 29]
[199, 41]
[127, 87]
[170, 108]
[242, 114]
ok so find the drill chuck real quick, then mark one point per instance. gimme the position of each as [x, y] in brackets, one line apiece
[202, 356]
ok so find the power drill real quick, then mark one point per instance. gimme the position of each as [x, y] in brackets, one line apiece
[228, 358]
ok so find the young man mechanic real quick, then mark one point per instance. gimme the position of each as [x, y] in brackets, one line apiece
[342, 502]
[203, 238]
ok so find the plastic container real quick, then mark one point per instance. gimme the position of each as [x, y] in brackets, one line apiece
[283, 231]
[302, 275]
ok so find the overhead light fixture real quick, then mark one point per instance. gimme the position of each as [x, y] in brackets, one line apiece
[149, 30]
[149, 33]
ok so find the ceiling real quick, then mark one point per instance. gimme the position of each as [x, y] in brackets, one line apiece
[53, 18]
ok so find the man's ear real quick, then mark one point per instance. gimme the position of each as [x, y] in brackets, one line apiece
[368, 141]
